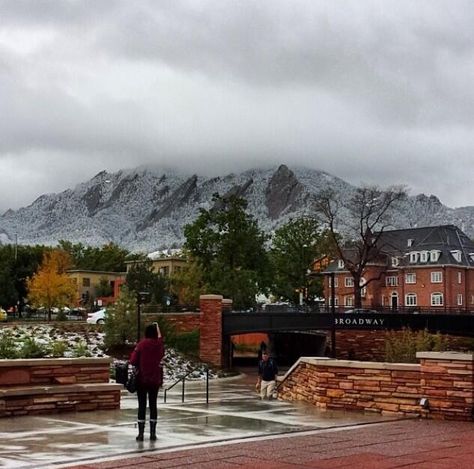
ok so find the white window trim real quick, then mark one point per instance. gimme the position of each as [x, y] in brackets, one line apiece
[437, 295]
[349, 300]
[391, 281]
[459, 277]
[412, 296]
[395, 261]
[424, 256]
[435, 274]
[340, 264]
[434, 255]
[459, 299]
[414, 257]
[348, 282]
[413, 275]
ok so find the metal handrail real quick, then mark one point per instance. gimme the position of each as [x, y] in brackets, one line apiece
[183, 380]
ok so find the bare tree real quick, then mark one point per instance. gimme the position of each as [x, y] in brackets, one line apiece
[361, 219]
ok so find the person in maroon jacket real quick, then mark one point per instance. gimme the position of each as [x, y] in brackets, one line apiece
[147, 359]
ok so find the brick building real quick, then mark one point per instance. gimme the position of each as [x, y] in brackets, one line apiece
[416, 268]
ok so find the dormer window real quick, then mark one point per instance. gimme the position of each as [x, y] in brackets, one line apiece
[410, 243]
[414, 257]
[340, 264]
[457, 255]
[424, 256]
[434, 255]
[395, 261]
[471, 256]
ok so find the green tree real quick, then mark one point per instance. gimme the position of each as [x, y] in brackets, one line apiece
[294, 248]
[229, 247]
[17, 264]
[110, 257]
[120, 326]
[142, 278]
[188, 284]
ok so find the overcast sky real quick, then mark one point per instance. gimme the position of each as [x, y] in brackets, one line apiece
[370, 91]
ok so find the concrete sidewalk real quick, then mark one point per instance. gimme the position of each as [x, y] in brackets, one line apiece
[233, 413]
[419, 444]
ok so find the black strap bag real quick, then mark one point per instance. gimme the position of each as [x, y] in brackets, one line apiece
[121, 373]
[131, 384]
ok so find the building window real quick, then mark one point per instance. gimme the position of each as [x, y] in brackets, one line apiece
[395, 261]
[413, 257]
[336, 282]
[436, 299]
[336, 301]
[410, 299]
[340, 264]
[457, 255]
[410, 243]
[348, 281]
[410, 278]
[434, 255]
[86, 282]
[459, 299]
[349, 301]
[424, 256]
[436, 277]
[459, 277]
[391, 281]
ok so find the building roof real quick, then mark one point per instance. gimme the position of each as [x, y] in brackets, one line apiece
[452, 245]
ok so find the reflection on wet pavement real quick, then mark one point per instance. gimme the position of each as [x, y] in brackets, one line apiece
[234, 412]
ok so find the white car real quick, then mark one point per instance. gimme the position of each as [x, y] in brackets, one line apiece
[96, 318]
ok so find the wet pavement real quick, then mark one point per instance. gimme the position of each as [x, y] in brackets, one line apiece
[234, 413]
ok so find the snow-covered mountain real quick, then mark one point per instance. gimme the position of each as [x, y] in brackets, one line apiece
[145, 209]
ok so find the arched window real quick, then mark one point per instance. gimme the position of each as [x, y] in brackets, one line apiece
[410, 299]
[436, 299]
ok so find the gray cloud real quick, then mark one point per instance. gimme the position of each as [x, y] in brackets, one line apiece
[371, 91]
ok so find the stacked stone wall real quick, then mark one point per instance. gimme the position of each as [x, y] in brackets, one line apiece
[440, 387]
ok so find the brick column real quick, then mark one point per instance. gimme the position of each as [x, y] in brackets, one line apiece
[447, 381]
[210, 343]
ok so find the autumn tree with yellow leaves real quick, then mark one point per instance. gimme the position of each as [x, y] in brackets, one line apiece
[50, 286]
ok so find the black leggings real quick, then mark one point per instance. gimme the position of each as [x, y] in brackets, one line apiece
[142, 392]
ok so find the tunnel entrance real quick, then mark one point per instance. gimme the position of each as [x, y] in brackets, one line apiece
[286, 348]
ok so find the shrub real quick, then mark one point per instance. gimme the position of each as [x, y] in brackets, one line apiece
[187, 343]
[81, 350]
[32, 349]
[58, 348]
[401, 346]
[7, 346]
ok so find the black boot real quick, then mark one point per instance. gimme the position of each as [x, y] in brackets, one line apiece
[152, 430]
[141, 431]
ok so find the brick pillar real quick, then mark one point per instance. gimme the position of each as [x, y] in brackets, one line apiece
[447, 380]
[210, 343]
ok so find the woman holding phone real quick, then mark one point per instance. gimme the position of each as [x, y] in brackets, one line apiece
[147, 358]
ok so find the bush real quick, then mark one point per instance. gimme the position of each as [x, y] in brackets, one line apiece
[401, 346]
[7, 346]
[81, 350]
[32, 349]
[58, 348]
[187, 343]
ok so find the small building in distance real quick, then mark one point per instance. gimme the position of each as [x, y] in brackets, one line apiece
[430, 268]
[92, 284]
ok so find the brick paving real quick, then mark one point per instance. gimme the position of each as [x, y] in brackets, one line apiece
[420, 444]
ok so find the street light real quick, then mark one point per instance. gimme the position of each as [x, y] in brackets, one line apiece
[303, 278]
[141, 297]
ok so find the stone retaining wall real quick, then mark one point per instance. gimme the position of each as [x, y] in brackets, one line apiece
[44, 386]
[445, 379]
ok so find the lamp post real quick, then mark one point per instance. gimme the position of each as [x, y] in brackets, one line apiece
[141, 297]
[333, 317]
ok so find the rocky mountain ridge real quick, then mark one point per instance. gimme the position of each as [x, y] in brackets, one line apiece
[145, 209]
